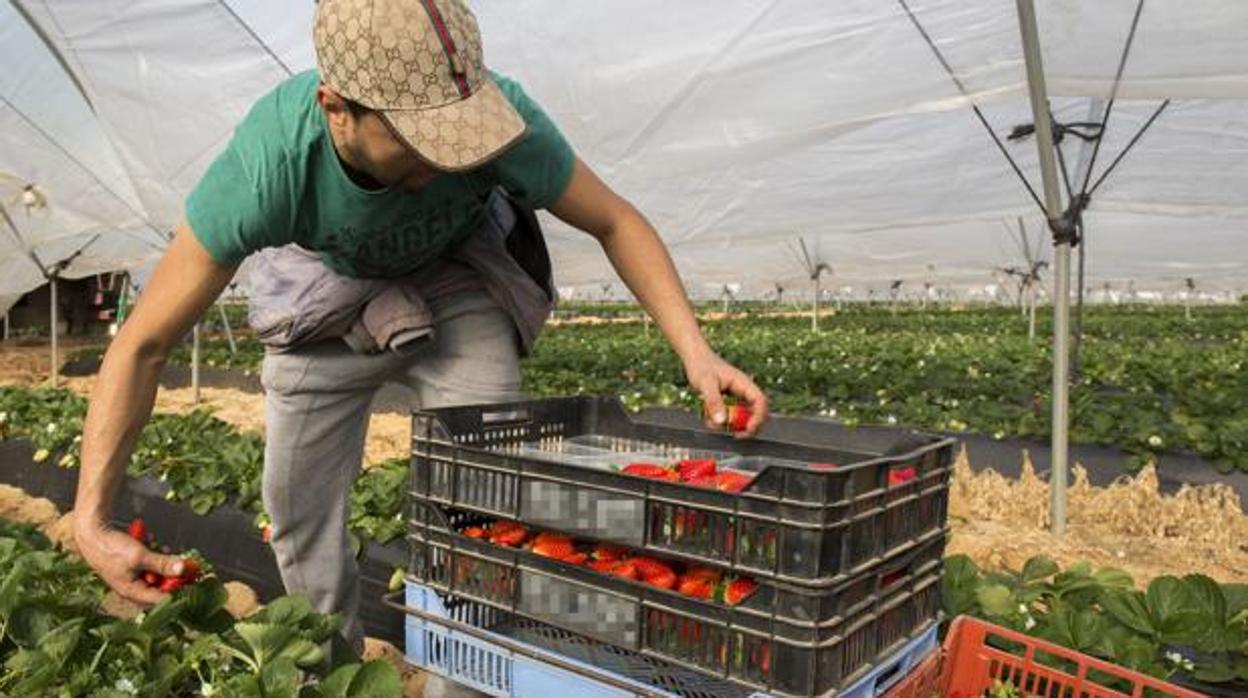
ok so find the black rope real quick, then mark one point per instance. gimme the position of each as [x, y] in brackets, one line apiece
[1130, 144]
[1113, 93]
[1084, 130]
[1061, 160]
[1075, 368]
[974, 107]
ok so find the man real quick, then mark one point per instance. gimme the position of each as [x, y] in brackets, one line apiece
[382, 165]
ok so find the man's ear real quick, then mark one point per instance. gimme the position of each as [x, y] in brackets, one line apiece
[336, 112]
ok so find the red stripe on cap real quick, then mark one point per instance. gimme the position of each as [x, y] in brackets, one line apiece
[448, 45]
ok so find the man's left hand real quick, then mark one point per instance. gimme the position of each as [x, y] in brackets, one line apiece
[711, 376]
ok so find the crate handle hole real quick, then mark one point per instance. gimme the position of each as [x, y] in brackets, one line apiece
[506, 417]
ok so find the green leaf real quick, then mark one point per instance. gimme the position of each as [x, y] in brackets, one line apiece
[1175, 611]
[266, 640]
[961, 579]
[59, 644]
[338, 683]
[1110, 577]
[1130, 608]
[164, 613]
[1039, 568]
[302, 652]
[1214, 672]
[376, 679]
[1236, 596]
[997, 601]
[286, 610]
[280, 679]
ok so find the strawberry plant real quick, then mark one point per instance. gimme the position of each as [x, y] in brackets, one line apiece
[1190, 626]
[55, 641]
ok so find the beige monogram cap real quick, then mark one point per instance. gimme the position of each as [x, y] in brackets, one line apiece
[418, 63]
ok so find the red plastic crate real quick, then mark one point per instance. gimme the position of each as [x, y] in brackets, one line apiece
[968, 666]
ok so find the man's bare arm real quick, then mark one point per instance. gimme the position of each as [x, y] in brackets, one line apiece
[185, 283]
[642, 261]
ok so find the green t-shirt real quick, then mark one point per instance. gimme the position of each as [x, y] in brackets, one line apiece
[280, 181]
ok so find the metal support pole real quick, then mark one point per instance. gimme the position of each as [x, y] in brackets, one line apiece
[814, 315]
[229, 334]
[1038, 93]
[195, 364]
[1031, 320]
[55, 319]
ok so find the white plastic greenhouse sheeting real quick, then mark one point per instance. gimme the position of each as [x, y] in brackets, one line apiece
[736, 126]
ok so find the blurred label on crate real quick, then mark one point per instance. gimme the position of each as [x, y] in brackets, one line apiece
[590, 512]
[579, 608]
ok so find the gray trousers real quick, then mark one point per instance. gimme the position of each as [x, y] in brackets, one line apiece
[317, 403]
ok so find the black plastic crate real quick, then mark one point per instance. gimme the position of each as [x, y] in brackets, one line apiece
[793, 639]
[888, 489]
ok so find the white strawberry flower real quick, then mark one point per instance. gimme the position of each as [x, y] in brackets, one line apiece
[126, 686]
[1029, 623]
[51, 428]
[1155, 441]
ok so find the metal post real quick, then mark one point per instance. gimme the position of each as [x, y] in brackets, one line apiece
[814, 315]
[56, 370]
[195, 364]
[1038, 93]
[229, 335]
[1031, 321]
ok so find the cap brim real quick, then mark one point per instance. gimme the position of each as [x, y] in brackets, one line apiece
[461, 135]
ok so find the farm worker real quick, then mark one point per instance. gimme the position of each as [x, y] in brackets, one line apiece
[391, 187]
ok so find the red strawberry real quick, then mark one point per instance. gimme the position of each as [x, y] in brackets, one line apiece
[738, 417]
[606, 551]
[171, 584]
[152, 579]
[902, 475]
[266, 533]
[553, 548]
[576, 559]
[604, 566]
[706, 574]
[737, 590]
[551, 537]
[709, 481]
[694, 468]
[663, 580]
[508, 533]
[651, 471]
[697, 588]
[648, 567]
[626, 570]
[476, 532]
[138, 530]
[732, 481]
[190, 570]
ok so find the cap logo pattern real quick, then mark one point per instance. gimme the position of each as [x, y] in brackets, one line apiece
[419, 63]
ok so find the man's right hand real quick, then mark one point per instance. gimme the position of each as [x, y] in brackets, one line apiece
[184, 284]
[120, 561]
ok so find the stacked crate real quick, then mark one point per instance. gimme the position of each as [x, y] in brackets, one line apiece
[843, 529]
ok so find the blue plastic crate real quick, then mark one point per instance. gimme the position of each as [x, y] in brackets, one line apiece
[499, 671]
